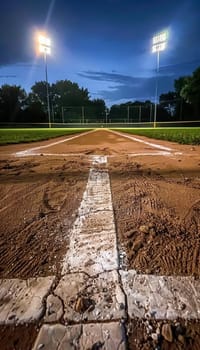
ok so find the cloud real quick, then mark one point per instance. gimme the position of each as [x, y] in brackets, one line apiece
[129, 87]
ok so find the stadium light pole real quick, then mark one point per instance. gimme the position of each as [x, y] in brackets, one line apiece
[45, 48]
[159, 44]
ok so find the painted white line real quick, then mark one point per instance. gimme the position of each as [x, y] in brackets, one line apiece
[154, 145]
[52, 154]
[30, 150]
[161, 297]
[107, 336]
[161, 153]
[99, 159]
[23, 300]
[158, 153]
[93, 239]
[106, 300]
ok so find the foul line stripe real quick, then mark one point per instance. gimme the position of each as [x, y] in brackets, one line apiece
[142, 141]
[30, 150]
[89, 250]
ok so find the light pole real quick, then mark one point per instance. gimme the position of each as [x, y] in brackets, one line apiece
[45, 48]
[159, 44]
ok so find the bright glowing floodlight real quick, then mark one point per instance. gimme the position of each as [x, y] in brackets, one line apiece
[44, 44]
[45, 48]
[159, 47]
[160, 42]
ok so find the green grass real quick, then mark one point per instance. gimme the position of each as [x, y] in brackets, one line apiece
[189, 136]
[10, 136]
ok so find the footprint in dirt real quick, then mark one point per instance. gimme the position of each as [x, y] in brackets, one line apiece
[192, 218]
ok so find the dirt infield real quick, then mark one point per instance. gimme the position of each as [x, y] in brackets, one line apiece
[157, 218]
[155, 188]
[39, 198]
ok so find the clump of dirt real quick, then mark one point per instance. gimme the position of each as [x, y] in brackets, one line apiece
[161, 335]
[18, 337]
[83, 304]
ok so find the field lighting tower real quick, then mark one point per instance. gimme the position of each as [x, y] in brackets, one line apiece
[45, 48]
[159, 44]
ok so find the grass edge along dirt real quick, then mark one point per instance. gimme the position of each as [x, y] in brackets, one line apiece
[14, 136]
[182, 135]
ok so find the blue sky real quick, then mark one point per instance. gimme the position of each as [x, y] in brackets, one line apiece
[103, 45]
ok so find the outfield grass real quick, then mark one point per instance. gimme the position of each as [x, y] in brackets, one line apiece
[189, 136]
[9, 136]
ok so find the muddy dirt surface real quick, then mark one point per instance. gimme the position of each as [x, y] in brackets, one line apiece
[157, 218]
[156, 200]
[18, 337]
[151, 335]
[38, 202]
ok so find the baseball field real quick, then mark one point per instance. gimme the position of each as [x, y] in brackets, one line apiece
[100, 239]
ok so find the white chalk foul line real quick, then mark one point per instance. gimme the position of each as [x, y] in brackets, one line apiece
[158, 153]
[93, 247]
[154, 145]
[32, 150]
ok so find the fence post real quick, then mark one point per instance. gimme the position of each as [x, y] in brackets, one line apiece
[63, 115]
[82, 108]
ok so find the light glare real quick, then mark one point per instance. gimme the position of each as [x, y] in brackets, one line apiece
[160, 42]
[159, 47]
[160, 38]
[44, 44]
[45, 49]
[44, 41]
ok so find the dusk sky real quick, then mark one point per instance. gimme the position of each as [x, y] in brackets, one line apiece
[103, 45]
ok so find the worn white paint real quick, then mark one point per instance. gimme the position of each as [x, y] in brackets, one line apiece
[93, 243]
[23, 300]
[106, 336]
[133, 138]
[159, 153]
[50, 154]
[161, 297]
[102, 293]
[31, 151]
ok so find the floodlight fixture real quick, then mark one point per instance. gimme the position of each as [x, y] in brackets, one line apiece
[159, 43]
[45, 48]
[44, 44]
[160, 38]
[159, 47]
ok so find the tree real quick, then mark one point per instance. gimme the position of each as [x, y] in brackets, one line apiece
[183, 110]
[66, 93]
[169, 101]
[133, 112]
[179, 84]
[34, 114]
[191, 91]
[97, 110]
[12, 99]
[39, 93]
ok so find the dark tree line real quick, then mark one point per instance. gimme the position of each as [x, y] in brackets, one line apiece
[18, 106]
[70, 103]
[181, 104]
